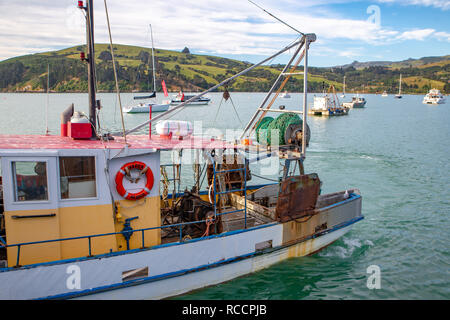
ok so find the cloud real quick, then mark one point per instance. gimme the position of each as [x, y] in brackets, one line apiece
[440, 4]
[416, 34]
[209, 26]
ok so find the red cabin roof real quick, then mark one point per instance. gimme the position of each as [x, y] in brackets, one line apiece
[41, 142]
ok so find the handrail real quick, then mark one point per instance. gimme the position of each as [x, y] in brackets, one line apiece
[89, 237]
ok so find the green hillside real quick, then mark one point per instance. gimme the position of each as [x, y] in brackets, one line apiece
[192, 72]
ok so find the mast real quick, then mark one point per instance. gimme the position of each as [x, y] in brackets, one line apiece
[89, 9]
[153, 62]
[400, 86]
[344, 86]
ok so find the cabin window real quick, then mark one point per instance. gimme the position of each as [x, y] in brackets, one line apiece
[77, 177]
[30, 179]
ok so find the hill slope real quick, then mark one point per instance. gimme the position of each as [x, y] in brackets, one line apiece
[191, 72]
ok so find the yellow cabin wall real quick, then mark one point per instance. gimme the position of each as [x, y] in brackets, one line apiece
[70, 222]
[30, 230]
[84, 221]
[148, 211]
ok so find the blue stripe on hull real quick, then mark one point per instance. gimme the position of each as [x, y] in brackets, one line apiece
[196, 269]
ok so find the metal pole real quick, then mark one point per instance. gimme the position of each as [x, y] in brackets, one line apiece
[91, 64]
[305, 98]
[271, 90]
[214, 87]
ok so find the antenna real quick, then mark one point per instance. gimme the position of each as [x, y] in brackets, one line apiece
[277, 18]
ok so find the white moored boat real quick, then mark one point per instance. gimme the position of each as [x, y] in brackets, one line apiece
[384, 94]
[357, 102]
[399, 94]
[90, 217]
[153, 105]
[145, 107]
[181, 97]
[434, 96]
[285, 95]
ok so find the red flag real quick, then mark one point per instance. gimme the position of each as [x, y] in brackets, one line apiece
[164, 88]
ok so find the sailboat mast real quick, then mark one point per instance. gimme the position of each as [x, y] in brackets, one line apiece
[153, 61]
[400, 86]
[344, 86]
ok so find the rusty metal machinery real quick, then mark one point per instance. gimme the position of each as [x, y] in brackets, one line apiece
[189, 208]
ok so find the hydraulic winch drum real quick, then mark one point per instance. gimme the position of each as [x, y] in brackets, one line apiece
[125, 172]
[288, 128]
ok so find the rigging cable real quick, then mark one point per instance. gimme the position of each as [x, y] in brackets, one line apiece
[115, 72]
[277, 18]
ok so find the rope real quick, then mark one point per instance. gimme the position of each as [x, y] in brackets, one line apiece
[115, 71]
[209, 221]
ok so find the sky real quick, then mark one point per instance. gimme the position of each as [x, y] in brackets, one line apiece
[346, 30]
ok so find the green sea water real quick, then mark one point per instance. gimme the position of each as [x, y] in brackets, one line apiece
[395, 151]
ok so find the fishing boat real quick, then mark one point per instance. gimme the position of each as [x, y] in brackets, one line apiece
[153, 105]
[357, 102]
[434, 96]
[399, 94]
[285, 95]
[384, 94]
[328, 105]
[86, 215]
[181, 98]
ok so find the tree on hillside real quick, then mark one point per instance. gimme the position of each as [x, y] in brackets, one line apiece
[185, 50]
[144, 56]
[105, 56]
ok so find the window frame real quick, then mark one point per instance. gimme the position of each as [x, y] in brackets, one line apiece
[14, 183]
[58, 174]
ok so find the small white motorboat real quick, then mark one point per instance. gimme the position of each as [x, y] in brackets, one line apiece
[285, 95]
[181, 97]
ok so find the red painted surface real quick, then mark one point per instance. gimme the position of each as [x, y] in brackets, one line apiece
[79, 130]
[134, 142]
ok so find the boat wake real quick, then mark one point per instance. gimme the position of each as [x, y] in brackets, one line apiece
[346, 249]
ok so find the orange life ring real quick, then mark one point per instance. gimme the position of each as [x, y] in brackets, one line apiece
[125, 170]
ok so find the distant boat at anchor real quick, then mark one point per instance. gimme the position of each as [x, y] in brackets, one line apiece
[181, 97]
[434, 96]
[328, 105]
[153, 105]
[399, 95]
[357, 102]
[285, 95]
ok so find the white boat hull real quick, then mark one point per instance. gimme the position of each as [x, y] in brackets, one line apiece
[145, 108]
[177, 268]
[195, 103]
[212, 276]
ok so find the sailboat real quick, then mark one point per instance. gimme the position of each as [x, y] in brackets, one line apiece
[153, 106]
[343, 91]
[87, 215]
[399, 95]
